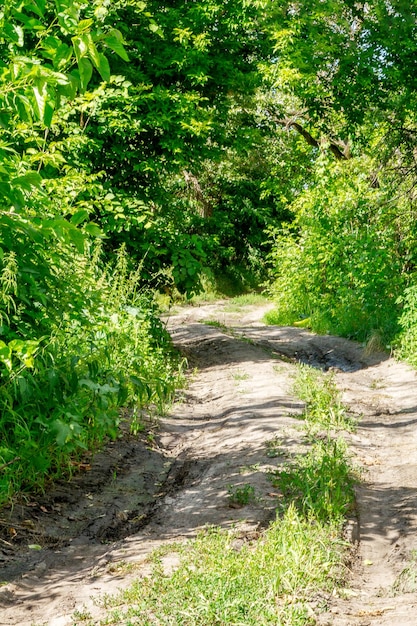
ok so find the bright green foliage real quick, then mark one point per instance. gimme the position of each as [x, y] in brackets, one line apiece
[195, 136]
[70, 45]
[103, 108]
[344, 85]
[342, 82]
[241, 496]
[344, 62]
[101, 349]
[407, 338]
[323, 406]
[320, 483]
[77, 340]
[338, 266]
[162, 125]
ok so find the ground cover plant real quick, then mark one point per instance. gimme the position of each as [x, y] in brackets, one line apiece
[275, 578]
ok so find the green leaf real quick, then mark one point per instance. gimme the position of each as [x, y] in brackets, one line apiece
[48, 114]
[114, 40]
[28, 182]
[4, 119]
[92, 50]
[14, 33]
[30, 23]
[40, 92]
[68, 15]
[155, 28]
[104, 67]
[62, 56]
[77, 238]
[17, 345]
[79, 217]
[25, 350]
[22, 106]
[49, 46]
[36, 6]
[70, 89]
[86, 71]
[6, 355]
[90, 384]
[93, 230]
[80, 47]
[63, 432]
[84, 25]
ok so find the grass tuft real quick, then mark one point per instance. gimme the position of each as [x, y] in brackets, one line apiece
[323, 405]
[320, 483]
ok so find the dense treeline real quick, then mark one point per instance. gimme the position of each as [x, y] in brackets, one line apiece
[345, 83]
[147, 146]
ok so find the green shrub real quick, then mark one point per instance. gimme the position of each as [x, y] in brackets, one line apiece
[102, 347]
[338, 268]
[407, 338]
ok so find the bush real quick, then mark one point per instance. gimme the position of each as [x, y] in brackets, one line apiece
[338, 268]
[406, 340]
[102, 347]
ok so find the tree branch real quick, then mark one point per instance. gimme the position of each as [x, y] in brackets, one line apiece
[339, 149]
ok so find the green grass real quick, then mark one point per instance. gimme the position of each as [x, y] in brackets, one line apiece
[406, 581]
[266, 582]
[320, 483]
[240, 376]
[215, 324]
[278, 317]
[248, 299]
[276, 579]
[274, 448]
[323, 406]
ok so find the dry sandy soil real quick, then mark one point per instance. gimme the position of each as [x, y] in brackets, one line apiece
[95, 531]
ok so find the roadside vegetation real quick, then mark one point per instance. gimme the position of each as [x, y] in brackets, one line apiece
[283, 576]
[151, 152]
[98, 347]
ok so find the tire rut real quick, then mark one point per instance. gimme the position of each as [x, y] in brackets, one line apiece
[141, 493]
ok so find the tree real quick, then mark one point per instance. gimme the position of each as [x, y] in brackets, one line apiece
[72, 351]
[162, 115]
[341, 81]
[340, 65]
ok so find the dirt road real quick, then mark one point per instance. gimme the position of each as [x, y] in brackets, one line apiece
[236, 420]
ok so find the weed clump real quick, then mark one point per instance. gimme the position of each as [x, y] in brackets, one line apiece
[95, 346]
[241, 496]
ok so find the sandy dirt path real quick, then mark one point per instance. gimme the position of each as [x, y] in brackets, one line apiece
[96, 530]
